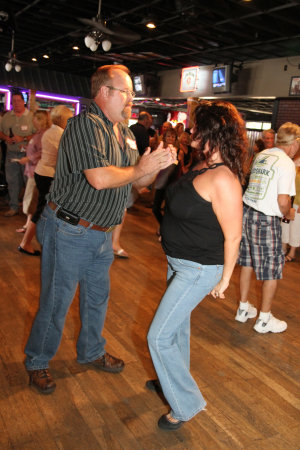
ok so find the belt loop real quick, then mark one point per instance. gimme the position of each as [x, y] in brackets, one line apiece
[53, 207]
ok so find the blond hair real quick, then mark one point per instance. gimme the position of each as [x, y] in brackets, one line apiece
[103, 75]
[59, 114]
[43, 118]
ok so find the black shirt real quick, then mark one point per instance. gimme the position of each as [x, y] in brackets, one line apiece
[141, 135]
[190, 229]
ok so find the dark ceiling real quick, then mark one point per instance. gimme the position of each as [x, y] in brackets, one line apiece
[188, 33]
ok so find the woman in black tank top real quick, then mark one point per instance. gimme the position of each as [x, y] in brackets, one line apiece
[201, 232]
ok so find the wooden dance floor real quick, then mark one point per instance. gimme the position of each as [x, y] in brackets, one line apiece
[250, 381]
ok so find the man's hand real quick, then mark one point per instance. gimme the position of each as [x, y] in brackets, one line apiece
[14, 140]
[151, 163]
[291, 214]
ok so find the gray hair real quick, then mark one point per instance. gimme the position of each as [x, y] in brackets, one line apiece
[288, 133]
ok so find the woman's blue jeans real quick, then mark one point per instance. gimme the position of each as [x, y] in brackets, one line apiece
[169, 334]
[71, 255]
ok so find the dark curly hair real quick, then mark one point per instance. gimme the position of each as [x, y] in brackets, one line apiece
[220, 124]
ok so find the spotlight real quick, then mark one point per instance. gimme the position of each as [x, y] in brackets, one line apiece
[18, 68]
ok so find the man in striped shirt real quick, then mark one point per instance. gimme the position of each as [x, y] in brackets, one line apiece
[97, 165]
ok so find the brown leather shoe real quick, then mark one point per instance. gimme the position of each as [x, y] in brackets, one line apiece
[42, 381]
[108, 363]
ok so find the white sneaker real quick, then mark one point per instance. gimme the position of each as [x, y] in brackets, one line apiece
[273, 325]
[242, 315]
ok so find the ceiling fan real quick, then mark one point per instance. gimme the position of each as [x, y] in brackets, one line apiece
[100, 32]
[12, 61]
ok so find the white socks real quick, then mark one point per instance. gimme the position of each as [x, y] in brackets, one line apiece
[244, 305]
[264, 316]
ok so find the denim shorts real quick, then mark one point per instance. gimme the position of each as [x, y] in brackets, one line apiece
[261, 244]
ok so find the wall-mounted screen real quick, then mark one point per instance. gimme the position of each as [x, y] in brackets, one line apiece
[139, 84]
[221, 79]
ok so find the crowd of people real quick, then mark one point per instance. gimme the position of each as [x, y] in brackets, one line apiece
[213, 211]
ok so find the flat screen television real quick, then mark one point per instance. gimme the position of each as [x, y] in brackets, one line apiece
[221, 79]
[139, 84]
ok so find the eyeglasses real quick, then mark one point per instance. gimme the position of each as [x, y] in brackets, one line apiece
[125, 91]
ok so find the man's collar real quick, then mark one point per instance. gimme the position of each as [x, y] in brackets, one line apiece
[94, 108]
[25, 113]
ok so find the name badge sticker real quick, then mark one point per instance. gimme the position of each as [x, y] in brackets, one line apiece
[131, 143]
[24, 127]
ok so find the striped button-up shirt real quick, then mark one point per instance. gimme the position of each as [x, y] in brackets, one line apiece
[88, 142]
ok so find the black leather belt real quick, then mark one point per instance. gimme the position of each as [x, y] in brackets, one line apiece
[65, 216]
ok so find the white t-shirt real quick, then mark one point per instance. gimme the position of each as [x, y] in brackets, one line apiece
[272, 173]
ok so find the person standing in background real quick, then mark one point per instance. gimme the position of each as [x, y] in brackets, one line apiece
[16, 129]
[291, 230]
[44, 171]
[41, 122]
[268, 137]
[266, 200]
[141, 131]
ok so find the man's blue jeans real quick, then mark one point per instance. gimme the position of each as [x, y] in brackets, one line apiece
[169, 334]
[71, 255]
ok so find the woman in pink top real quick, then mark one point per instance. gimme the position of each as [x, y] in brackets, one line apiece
[44, 171]
[41, 122]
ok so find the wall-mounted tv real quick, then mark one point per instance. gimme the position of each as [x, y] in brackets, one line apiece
[221, 79]
[139, 84]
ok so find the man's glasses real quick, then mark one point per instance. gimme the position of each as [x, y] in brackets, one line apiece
[125, 91]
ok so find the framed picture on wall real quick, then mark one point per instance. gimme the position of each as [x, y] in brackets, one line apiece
[295, 86]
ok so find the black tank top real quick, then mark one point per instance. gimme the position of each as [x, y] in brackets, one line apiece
[190, 229]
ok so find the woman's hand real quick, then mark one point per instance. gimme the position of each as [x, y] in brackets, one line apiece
[23, 161]
[219, 289]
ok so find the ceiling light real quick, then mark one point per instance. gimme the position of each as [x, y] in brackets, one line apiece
[34, 59]
[46, 56]
[8, 66]
[106, 45]
[94, 47]
[94, 38]
[12, 64]
[150, 24]
[75, 47]
[88, 40]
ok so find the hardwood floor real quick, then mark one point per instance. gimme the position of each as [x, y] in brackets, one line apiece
[250, 381]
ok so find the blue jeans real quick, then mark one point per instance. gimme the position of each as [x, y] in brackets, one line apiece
[169, 334]
[15, 177]
[71, 255]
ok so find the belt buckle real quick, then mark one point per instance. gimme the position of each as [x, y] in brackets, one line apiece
[110, 229]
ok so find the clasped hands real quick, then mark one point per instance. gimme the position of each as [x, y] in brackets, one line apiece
[159, 159]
